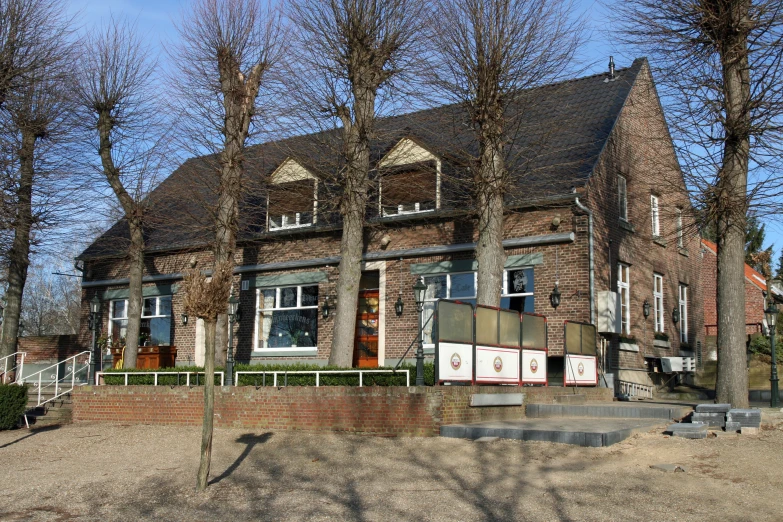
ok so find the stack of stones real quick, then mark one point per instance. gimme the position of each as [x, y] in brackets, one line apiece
[717, 416]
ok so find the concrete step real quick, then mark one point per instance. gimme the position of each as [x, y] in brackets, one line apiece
[592, 432]
[609, 410]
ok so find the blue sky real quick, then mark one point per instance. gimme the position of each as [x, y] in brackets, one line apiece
[155, 19]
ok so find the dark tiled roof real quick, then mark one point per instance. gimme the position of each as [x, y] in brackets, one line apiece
[559, 132]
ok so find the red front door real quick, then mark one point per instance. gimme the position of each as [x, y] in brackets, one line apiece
[365, 352]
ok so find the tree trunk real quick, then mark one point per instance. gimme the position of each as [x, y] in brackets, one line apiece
[209, 404]
[19, 255]
[489, 248]
[221, 340]
[731, 199]
[135, 274]
[356, 136]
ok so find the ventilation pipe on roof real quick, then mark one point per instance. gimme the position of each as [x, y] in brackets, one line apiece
[611, 70]
[591, 257]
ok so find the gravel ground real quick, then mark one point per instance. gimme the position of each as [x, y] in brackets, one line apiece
[122, 472]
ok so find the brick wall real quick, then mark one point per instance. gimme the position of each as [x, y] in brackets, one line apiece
[375, 410]
[49, 348]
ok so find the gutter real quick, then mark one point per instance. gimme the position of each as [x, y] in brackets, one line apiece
[590, 255]
[545, 239]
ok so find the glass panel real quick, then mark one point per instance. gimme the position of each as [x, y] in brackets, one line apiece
[164, 305]
[588, 339]
[518, 303]
[486, 326]
[519, 281]
[367, 349]
[463, 285]
[267, 300]
[159, 331]
[370, 280]
[427, 321]
[310, 296]
[289, 328]
[367, 327]
[533, 331]
[119, 331]
[119, 309]
[509, 328]
[368, 305]
[573, 338]
[455, 322]
[288, 297]
[436, 287]
[149, 307]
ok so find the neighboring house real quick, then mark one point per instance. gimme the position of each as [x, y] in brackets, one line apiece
[755, 299]
[597, 205]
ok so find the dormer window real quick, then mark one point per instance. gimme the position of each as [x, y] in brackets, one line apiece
[409, 180]
[409, 189]
[293, 197]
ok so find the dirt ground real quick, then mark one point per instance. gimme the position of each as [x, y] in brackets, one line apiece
[123, 472]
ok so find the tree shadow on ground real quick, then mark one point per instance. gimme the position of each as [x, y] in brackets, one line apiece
[32, 431]
[249, 440]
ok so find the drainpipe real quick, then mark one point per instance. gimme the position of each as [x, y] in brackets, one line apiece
[590, 256]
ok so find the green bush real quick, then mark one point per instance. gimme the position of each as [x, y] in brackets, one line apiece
[382, 379]
[660, 336]
[759, 345]
[13, 401]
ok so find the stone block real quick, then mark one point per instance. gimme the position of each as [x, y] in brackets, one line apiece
[486, 439]
[713, 408]
[688, 430]
[733, 426]
[715, 420]
[496, 399]
[745, 430]
[747, 418]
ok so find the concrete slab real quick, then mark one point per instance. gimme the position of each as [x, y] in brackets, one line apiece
[610, 410]
[497, 399]
[713, 408]
[590, 432]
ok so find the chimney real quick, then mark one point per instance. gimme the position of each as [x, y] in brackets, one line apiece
[611, 68]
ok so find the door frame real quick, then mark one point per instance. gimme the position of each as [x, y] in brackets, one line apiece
[380, 266]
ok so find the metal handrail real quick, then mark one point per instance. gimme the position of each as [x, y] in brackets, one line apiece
[18, 367]
[317, 373]
[58, 392]
[100, 375]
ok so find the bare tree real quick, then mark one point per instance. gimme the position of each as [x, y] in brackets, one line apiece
[489, 51]
[123, 125]
[352, 53]
[36, 120]
[52, 302]
[721, 75]
[229, 47]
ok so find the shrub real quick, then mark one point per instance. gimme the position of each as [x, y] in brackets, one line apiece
[13, 401]
[660, 336]
[759, 345]
[382, 379]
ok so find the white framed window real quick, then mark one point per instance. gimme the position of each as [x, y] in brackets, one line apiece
[655, 215]
[658, 302]
[680, 238]
[624, 289]
[683, 297]
[410, 190]
[517, 292]
[155, 321]
[622, 192]
[286, 318]
[292, 220]
[292, 204]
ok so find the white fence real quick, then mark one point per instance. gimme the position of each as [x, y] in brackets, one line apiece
[10, 365]
[100, 376]
[317, 373]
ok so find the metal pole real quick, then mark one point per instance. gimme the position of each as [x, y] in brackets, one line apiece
[95, 356]
[420, 350]
[774, 400]
[230, 353]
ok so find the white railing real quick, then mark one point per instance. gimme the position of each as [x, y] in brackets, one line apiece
[632, 389]
[18, 369]
[99, 376]
[317, 373]
[59, 385]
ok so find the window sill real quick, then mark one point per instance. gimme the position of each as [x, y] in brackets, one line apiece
[683, 252]
[625, 225]
[661, 344]
[629, 347]
[658, 240]
[289, 227]
[285, 352]
[407, 212]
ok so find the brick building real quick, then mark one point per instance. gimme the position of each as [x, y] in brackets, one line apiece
[597, 205]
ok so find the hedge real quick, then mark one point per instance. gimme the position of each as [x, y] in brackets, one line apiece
[381, 379]
[13, 401]
[759, 344]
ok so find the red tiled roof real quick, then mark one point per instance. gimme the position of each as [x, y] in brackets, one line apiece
[750, 274]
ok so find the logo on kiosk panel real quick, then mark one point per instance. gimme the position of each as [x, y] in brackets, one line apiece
[456, 361]
[533, 365]
[498, 364]
[581, 369]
